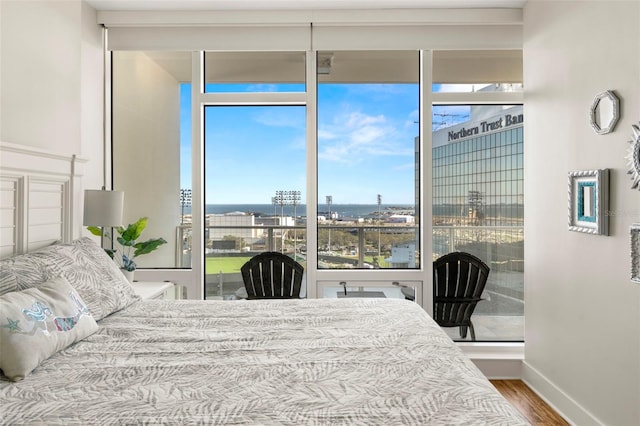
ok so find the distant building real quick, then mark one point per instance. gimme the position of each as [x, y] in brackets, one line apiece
[346, 219]
[402, 256]
[246, 226]
[249, 232]
[401, 218]
[275, 221]
[328, 216]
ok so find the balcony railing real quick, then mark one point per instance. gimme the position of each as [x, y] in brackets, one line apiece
[499, 246]
[358, 245]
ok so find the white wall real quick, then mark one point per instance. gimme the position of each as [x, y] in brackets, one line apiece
[91, 98]
[41, 74]
[50, 80]
[146, 149]
[582, 313]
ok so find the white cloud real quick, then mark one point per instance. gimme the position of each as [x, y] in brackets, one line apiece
[324, 134]
[354, 136]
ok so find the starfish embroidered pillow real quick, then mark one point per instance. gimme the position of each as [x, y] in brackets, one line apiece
[38, 322]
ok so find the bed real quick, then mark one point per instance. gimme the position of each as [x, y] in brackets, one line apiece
[286, 362]
[81, 348]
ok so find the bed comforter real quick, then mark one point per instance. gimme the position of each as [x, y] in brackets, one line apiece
[284, 362]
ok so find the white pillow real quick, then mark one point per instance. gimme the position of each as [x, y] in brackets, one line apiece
[38, 322]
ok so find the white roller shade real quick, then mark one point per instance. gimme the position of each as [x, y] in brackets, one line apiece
[332, 30]
[194, 38]
[293, 38]
[477, 66]
[427, 37]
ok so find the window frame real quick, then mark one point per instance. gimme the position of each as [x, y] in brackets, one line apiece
[494, 29]
[201, 99]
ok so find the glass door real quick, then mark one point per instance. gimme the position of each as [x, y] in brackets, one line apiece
[254, 189]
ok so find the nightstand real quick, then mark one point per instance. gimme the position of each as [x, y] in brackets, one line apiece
[158, 290]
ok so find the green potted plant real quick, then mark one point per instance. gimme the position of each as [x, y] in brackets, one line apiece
[130, 247]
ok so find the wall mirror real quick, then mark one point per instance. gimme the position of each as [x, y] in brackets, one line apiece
[589, 201]
[633, 157]
[605, 111]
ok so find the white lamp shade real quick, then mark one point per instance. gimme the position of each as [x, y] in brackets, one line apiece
[103, 208]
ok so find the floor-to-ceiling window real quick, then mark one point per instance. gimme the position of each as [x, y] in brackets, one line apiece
[368, 160]
[368, 175]
[254, 164]
[255, 181]
[478, 181]
[342, 193]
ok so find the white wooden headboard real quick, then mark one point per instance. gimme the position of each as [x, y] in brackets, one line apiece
[40, 196]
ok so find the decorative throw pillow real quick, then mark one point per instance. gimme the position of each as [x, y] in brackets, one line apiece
[86, 266]
[38, 322]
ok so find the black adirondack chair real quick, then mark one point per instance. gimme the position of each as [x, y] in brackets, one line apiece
[458, 281]
[272, 275]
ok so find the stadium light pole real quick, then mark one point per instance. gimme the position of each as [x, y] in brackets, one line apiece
[295, 199]
[379, 221]
[286, 198]
[329, 200]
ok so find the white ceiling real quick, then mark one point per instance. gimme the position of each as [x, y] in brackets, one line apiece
[297, 4]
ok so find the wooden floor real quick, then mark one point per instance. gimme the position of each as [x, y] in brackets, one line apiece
[528, 403]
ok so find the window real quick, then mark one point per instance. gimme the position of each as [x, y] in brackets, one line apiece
[368, 160]
[356, 217]
[254, 190]
[241, 72]
[254, 163]
[478, 188]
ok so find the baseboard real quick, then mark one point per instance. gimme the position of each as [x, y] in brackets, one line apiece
[496, 360]
[499, 369]
[562, 403]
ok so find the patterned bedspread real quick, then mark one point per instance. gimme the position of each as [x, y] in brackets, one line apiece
[285, 362]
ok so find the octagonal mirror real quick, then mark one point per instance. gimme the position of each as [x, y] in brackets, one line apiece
[605, 112]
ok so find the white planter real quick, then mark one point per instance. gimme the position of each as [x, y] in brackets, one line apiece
[127, 274]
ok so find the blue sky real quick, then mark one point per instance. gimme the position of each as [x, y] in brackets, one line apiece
[365, 146]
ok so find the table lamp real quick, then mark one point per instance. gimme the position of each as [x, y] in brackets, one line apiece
[103, 208]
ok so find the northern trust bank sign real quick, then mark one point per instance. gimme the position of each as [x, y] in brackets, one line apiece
[492, 125]
[486, 126]
[483, 120]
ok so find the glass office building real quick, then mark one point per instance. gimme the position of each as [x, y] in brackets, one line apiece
[478, 205]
